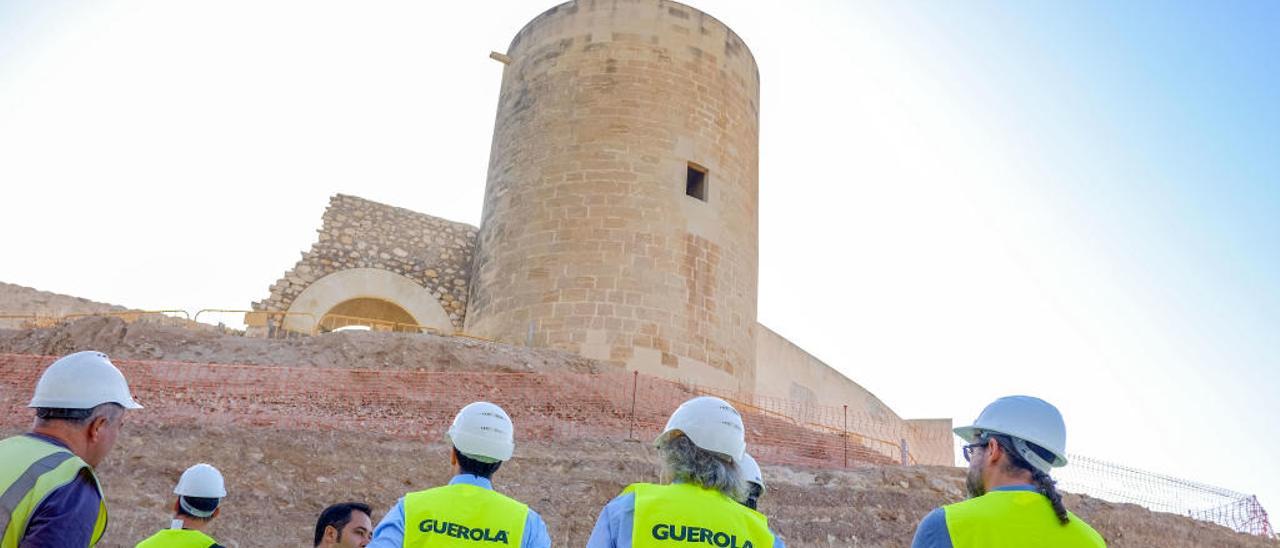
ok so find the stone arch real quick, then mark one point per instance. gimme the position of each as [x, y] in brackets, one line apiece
[353, 287]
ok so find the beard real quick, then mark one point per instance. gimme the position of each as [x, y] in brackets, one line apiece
[973, 480]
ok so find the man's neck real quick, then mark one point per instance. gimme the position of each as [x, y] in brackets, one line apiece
[1005, 479]
[192, 524]
[63, 435]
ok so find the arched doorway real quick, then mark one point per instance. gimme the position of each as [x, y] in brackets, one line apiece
[377, 314]
[369, 293]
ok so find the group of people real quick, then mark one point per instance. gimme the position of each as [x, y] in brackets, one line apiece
[50, 495]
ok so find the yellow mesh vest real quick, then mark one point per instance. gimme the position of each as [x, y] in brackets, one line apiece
[681, 514]
[30, 469]
[1015, 519]
[178, 538]
[463, 515]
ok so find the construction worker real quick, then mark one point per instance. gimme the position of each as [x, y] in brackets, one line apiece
[1011, 448]
[467, 512]
[701, 449]
[755, 481]
[49, 494]
[199, 490]
[344, 525]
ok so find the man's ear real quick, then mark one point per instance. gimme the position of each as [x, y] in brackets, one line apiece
[331, 533]
[95, 427]
[994, 451]
[216, 511]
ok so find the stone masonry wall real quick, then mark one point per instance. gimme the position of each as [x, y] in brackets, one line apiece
[589, 242]
[358, 233]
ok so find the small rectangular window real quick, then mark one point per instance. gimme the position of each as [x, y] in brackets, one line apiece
[695, 182]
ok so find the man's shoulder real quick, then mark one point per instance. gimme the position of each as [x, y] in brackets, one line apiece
[932, 531]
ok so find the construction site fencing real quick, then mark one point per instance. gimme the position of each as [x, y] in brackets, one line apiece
[564, 405]
[1119, 483]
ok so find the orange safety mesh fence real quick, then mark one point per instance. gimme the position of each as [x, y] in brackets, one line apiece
[563, 405]
[1118, 483]
[547, 405]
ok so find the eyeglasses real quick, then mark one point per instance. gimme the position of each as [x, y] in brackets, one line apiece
[968, 449]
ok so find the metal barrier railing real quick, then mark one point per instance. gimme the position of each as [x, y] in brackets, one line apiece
[274, 324]
[332, 322]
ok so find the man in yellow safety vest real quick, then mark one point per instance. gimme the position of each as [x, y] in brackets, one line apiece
[49, 495]
[200, 490]
[467, 512]
[701, 449]
[1011, 448]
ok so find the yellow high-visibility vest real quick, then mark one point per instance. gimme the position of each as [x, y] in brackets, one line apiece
[178, 538]
[30, 469]
[462, 515]
[682, 513]
[1014, 519]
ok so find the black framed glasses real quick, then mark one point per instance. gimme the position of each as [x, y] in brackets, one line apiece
[967, 450]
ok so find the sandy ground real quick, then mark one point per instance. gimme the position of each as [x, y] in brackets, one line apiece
[279, 480]
[281, 475]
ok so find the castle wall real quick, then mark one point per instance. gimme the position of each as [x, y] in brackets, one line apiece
[589, 242]
[383, 252]
[786, 371]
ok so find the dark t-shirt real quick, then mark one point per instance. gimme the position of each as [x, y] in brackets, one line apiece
[67, 515]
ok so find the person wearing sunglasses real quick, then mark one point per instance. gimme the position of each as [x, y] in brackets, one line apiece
[1011, 448]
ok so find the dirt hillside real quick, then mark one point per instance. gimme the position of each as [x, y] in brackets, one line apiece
[279, 480]
[280, 475]
[18, 299]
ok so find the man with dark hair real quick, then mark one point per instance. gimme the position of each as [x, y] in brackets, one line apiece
[344, 525]
[200, 490]
[467, 511]
[51, 496]
[1011, 448]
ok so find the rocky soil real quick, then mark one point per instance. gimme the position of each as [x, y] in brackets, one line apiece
[280, 475]
[279, 480]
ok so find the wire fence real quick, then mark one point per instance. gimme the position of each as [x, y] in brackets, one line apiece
[564, 405]
[1161, 493]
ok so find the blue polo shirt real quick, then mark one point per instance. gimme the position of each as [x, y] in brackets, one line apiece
[66, 517]
[390, 531]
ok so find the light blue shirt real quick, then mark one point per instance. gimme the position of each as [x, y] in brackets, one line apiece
[390, 531]
[932, 532]
[613, 528]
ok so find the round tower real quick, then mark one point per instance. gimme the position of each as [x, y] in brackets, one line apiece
[620, 213]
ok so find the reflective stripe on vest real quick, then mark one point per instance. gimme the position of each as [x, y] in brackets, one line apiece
[31, 470]
[1001, 519]
[463, 515]
[680, 513]
[178, 538]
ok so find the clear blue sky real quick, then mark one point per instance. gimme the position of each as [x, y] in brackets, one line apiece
[958, 200]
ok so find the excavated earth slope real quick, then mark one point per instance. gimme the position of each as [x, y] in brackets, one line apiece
[280, 478]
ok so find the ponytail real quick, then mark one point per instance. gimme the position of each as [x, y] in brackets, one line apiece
[1047, 487]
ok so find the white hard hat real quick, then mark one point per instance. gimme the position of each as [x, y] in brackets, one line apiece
[484, 432]
[83, 380]
[751, 470]
[1026, 420]
[711, 424]
[201, 480]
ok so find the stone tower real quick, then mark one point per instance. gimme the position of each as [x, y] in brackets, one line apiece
[620, 213]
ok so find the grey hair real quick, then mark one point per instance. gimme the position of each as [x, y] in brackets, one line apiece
[688, 463]
[80, 417]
